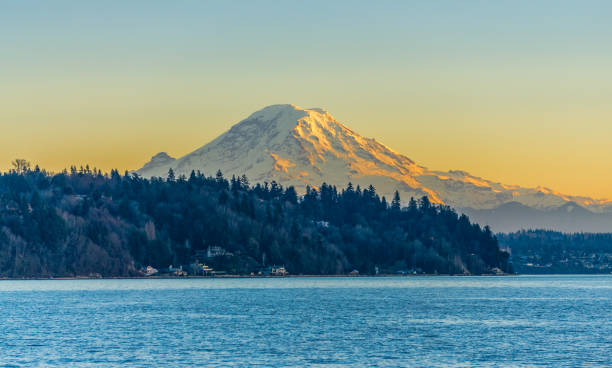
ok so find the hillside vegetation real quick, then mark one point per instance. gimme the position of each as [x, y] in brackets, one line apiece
[542, 251]
[82, 221]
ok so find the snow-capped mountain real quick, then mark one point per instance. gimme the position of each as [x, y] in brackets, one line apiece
[300, 147]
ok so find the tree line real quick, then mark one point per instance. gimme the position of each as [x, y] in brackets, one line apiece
[84, 221]
[545, 251]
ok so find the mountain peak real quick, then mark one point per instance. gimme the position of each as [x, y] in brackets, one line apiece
[162, 156]
[288, 112]
[160, 160]
[291, 107]
[303, 147]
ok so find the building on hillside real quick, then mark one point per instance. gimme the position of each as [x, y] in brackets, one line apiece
[216, 251]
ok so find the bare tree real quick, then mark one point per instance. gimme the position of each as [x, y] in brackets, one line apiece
[21, 165]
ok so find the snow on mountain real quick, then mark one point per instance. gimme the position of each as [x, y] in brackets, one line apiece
[161, 159]
[462, 190]
[299, 147]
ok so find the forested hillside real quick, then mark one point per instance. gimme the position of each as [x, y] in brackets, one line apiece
[82, 221]
[541, 251]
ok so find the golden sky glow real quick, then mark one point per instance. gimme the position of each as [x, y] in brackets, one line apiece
[511, 91]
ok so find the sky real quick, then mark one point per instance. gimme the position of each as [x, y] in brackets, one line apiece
[513, 91]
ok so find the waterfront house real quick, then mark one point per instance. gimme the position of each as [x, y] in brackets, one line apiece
[173, 271]
[149, 271]
[179, 272]
[200, 269]
[274, 271]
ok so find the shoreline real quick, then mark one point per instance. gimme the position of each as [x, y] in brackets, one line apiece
[271, 277]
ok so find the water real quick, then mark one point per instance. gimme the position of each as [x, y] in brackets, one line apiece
[551, 321]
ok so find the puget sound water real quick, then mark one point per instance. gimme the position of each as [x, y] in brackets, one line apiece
[534, 321]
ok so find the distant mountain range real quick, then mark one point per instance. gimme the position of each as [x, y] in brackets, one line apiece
[300, 147]
[569, 218]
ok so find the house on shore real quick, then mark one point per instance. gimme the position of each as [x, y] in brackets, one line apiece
[173, 271]
[149, 271]
[200, 269]
[274, 271]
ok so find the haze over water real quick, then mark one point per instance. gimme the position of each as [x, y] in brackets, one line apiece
[398, 321]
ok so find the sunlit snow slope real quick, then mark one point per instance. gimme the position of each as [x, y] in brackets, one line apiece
[299, 147]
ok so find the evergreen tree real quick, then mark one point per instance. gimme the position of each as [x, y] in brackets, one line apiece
[396, 202]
